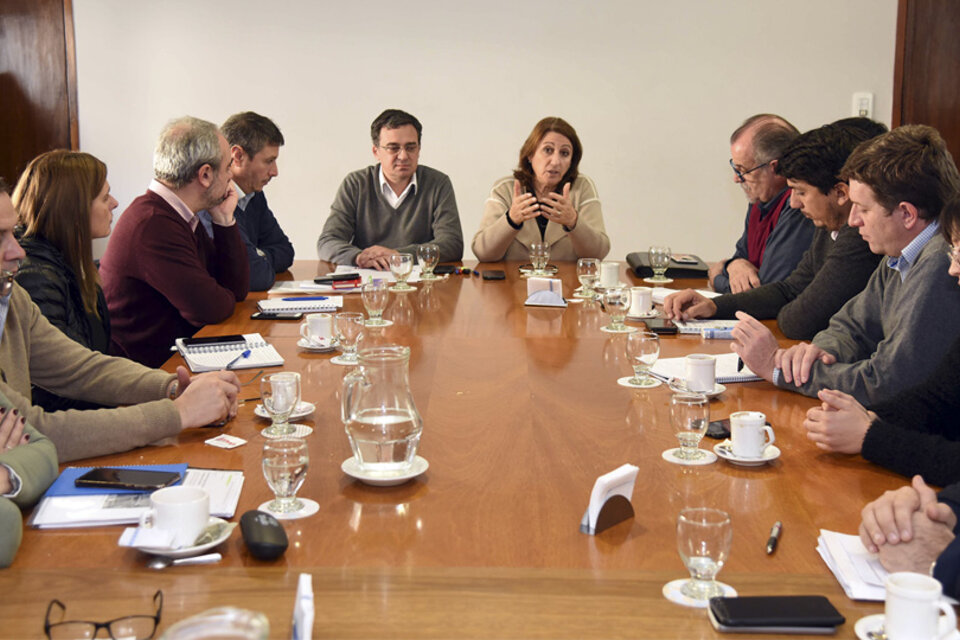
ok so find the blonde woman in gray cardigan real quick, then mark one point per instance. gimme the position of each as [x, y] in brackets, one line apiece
[546, 200]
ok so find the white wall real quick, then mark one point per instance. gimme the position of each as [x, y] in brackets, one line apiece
[653, 88]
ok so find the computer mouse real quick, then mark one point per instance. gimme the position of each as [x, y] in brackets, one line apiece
[263, 534]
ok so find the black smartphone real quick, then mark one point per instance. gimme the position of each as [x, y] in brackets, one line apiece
[276, 315]
[139, 479]
[775, 614]
[494, 274]
[718, 429]
[198, 342]
[336, 277]
[444, 269]
[661, 326]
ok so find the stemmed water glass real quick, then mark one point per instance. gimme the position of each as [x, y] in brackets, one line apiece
[704, 537]
[659, 261]
[285, 462]
[348, 325]
[539, 257]
[689, 415]
[588, 272]
[375, 296]
[401, 264]
[643, 349]
[280, 395]
[616, 301]
[428, 255]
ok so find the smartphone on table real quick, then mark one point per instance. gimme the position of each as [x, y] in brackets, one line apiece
[119, 478]
[662, 326]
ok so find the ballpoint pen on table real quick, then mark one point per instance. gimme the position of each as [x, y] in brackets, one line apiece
[242, 356]
[774, 537]
[299, 298]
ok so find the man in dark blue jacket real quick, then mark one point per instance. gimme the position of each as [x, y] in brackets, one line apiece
[255, 143]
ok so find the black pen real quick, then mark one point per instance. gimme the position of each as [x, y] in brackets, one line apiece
[774, 537]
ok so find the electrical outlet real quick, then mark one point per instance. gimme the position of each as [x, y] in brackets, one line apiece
[862, 104]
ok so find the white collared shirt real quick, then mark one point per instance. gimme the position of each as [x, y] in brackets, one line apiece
[174, 201]
[393, 199]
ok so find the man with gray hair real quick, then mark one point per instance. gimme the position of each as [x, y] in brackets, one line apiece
[775, 235]
[163, 276]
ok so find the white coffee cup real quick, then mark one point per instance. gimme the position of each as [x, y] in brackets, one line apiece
[182, 510]
[700, 372]
[913, 607]
[609, 274]
[749, 434]
[641, 301]
[317, 327]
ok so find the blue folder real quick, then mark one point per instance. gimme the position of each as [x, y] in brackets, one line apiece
[64, 484]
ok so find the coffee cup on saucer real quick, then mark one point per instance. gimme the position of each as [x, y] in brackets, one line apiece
[182, 510]
[700, 370]
[641, 301]
[913, 606]
[317, 328]
[749, 434]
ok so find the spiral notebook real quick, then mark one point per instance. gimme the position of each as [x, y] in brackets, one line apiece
[214, 354]
[726, 371]
[306, 304]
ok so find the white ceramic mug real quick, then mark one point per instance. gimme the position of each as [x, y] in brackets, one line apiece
[317, 327]
[700, 372]
[183, 510]
[749, 434]
[913, 607]
[609, 274]
[641, 301]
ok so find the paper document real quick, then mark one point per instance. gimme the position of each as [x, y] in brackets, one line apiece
[308, 287]
[660, 293]
[372, 274]
[107, 509]
[726, 372]
[857, 570]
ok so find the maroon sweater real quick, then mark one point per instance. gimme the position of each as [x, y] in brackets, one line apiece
[163, 281]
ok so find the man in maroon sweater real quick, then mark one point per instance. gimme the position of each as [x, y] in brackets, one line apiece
[163, 276]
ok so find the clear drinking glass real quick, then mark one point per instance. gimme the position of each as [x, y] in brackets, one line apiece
[703, 540]
[375, 296]
[348, 325]
[659, 261]
[689, 415]
[285, 468]
[588, 272]
[401, 264]
[643, 349]
[616, 302]
[539, 258]
[280, 395]
[428, 255]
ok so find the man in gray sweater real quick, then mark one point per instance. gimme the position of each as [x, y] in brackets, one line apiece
[895, 331]
[838, 263]
[394, 206]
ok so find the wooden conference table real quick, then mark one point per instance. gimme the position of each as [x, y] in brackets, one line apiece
[521, 413]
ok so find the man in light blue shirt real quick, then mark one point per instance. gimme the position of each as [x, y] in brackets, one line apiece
[892, 334]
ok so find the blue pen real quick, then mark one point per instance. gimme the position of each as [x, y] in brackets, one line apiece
[242, 356]
[299, 298]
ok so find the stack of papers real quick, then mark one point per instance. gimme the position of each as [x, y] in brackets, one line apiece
[726, 371]
[857, 570]
[308, 287]
[64, 505]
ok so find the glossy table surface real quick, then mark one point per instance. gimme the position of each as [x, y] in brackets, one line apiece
[521, 413]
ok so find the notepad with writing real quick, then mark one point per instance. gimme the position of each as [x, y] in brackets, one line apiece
[304, 305]
[215, 354]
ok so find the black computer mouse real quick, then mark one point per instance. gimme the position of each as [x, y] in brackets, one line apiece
[263, 534]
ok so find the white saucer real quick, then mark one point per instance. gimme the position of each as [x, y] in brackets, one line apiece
[677, 386]
[875, 623]
[625, 329]
[320, 346]
[724, 450]
[351, 467]
[309, 508]
[339, 360]
[653, 313]
[625, 382]
[383, 325]
[188, 552]
[671, 591]
[303, 409]
[653, 280]
[709, 458]
[299, 431]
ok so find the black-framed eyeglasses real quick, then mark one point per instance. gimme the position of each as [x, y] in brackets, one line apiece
[393, 149]
[141, 627]
[741, 173]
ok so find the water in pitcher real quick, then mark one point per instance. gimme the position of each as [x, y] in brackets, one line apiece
[384, 441]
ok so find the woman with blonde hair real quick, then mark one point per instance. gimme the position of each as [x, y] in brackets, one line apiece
[546, 200]
[63, 202]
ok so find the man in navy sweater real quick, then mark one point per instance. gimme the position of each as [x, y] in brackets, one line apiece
[255, 143]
